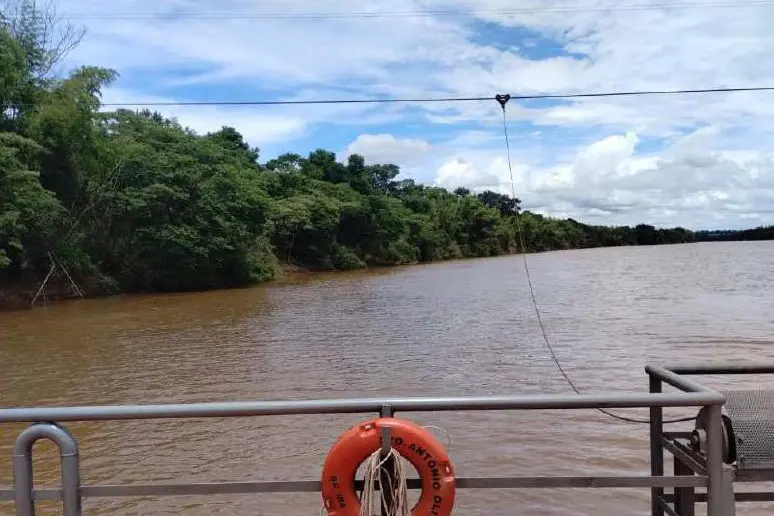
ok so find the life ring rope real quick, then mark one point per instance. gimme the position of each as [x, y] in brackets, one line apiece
[399, 502]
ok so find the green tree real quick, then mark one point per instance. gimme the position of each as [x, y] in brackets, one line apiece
[504, 204]
[28, 212]
[63, 123]
[230, 139]
[183, 212]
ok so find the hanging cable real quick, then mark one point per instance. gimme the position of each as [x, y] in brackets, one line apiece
[420, 100]
[296, 102]
[503, 100]
[507, 11]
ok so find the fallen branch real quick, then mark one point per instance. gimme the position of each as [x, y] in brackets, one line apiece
[43, 285]
[73, 285]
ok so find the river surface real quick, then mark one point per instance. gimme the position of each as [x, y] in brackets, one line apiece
[454, 328]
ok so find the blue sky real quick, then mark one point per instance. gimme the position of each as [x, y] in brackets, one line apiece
[701, 161]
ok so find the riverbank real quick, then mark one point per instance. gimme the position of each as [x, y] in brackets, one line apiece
[19, 296]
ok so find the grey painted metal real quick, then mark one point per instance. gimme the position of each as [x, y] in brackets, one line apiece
[710, 369]
[312, 486]
[685, 503]
[388, 471]
[752, 419]
[686, 456]
[664, 506]
[678, 435]
[675, 379]
[656, 449]
[754, 475]
[728, 499]
[754, 497]
[350, 406]
[579, 482]
[715, 489]
[70, 468]
[748, 496]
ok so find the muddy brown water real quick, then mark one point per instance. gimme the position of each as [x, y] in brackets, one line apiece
[455, 328]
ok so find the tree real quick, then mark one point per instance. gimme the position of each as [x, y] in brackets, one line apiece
[43, 37]
[63, 123]
[381, 177]
[504, 204]
[28, 213]
[186, 213]
[17, 89]
[322, 164]
[230, 139]
[285, 163]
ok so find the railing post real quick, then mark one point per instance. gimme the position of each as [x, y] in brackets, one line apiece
[720, 489]
[685, 501]
[656, 448]
[70, 468]
[387, 471]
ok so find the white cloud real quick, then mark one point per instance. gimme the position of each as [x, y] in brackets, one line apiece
[644, 48]
[256, 127]
[609, 182]
[608, 159]
[385, 148]
[458, 173]
[277, 51]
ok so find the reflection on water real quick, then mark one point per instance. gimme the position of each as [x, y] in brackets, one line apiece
[453, 328]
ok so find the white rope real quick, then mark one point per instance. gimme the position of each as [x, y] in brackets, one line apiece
[398, 488]
[446, 436]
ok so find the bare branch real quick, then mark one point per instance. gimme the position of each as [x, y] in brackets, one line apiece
[45, 37]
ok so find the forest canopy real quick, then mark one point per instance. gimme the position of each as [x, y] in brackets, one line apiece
[123, 201]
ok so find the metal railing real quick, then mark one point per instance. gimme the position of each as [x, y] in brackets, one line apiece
[687, 461]
[47, 424]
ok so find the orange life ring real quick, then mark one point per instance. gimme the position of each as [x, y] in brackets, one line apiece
[417, 445]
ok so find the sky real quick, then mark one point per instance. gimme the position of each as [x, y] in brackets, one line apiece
[702, 161]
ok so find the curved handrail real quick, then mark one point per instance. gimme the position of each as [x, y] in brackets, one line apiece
[22, 468]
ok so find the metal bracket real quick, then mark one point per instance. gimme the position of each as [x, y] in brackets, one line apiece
[386, 434]
[503, 99]
[387, 471]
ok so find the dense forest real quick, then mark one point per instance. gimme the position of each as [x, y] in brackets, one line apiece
[759, 233]
[97, 202]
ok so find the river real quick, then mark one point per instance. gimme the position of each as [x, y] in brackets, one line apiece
[454, 328]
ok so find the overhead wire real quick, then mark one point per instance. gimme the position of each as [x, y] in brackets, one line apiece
[420, 100]
[416, 13]
[503, 100]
